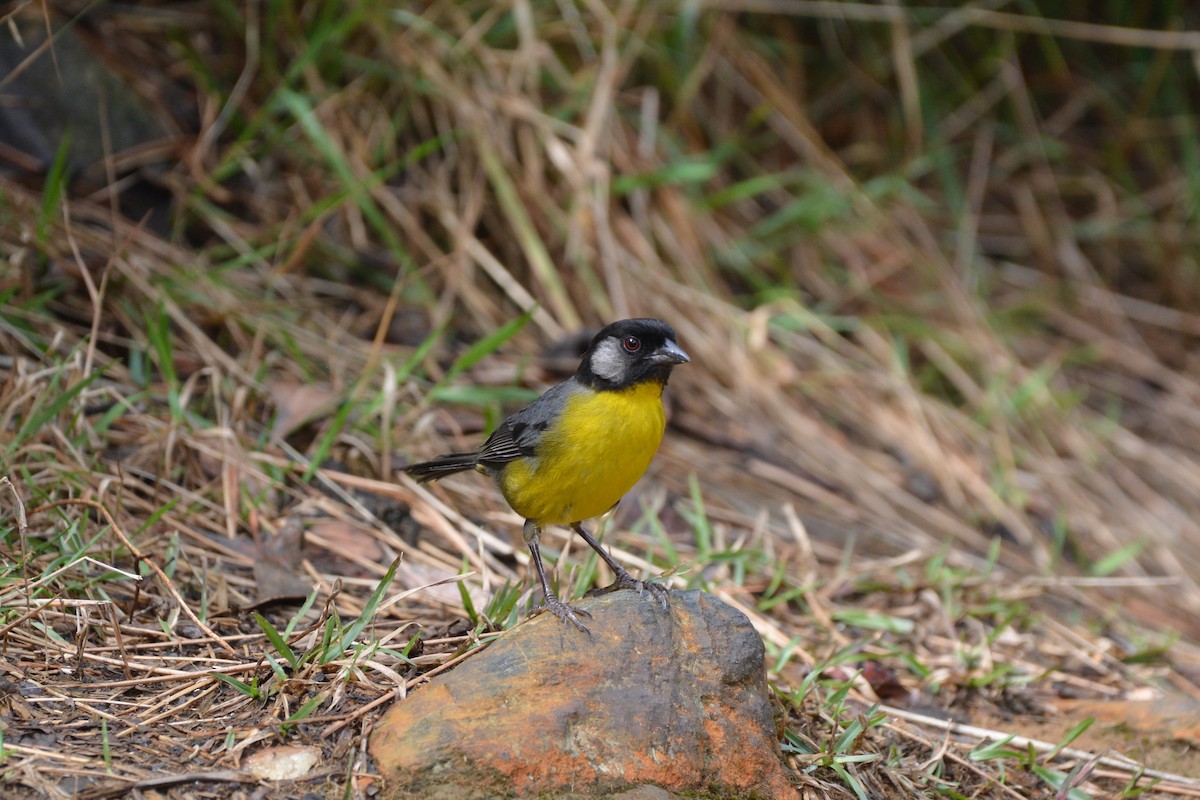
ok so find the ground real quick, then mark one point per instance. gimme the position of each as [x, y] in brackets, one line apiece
[936, 270]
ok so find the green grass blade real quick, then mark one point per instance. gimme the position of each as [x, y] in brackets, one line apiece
[355, 629]
[45, 413]
[55, 188]
[247, 689]
[277, 641]
[486, 346]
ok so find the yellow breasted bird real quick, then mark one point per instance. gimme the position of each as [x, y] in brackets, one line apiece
[573, 453]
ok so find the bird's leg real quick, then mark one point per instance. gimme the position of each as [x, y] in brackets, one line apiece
[624, 579]
[557, 607]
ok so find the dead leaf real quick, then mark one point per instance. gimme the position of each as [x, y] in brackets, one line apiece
[276, 566]
[283, 763]
[297, 403]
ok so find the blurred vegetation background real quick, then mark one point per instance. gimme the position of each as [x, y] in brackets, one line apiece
[937, 267]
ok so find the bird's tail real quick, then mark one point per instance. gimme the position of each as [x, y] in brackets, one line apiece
[442, 466]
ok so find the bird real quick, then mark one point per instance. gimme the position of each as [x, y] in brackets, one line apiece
[573, 453]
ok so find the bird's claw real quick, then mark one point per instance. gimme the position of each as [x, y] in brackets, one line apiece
[626, 581]
[567, 613]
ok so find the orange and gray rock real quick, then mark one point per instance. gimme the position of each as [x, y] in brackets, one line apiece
[654, 703]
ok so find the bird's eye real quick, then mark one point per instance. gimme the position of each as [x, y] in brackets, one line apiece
[631, 344]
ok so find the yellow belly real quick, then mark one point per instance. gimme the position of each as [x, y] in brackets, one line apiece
[583, 467]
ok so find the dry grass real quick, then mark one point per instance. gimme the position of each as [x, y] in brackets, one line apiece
[936, 273]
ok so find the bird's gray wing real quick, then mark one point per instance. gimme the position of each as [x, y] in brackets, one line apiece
[501, 447]
[519, 435]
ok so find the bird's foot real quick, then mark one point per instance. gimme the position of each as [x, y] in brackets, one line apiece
[567, 613]
[626, 581]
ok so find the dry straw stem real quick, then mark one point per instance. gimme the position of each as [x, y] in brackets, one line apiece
[973, 14]
[139, 558]
[1175, 784]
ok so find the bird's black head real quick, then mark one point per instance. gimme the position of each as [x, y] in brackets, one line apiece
[630, 352]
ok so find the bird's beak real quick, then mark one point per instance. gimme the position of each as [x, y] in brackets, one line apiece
[669, 354]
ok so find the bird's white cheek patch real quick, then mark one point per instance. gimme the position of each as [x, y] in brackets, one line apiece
[608, 361]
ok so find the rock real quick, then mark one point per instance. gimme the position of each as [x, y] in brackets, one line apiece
[62, 93]
[652, 704]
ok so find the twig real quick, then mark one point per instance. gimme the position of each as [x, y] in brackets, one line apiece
[22, 534]
[211, 776]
